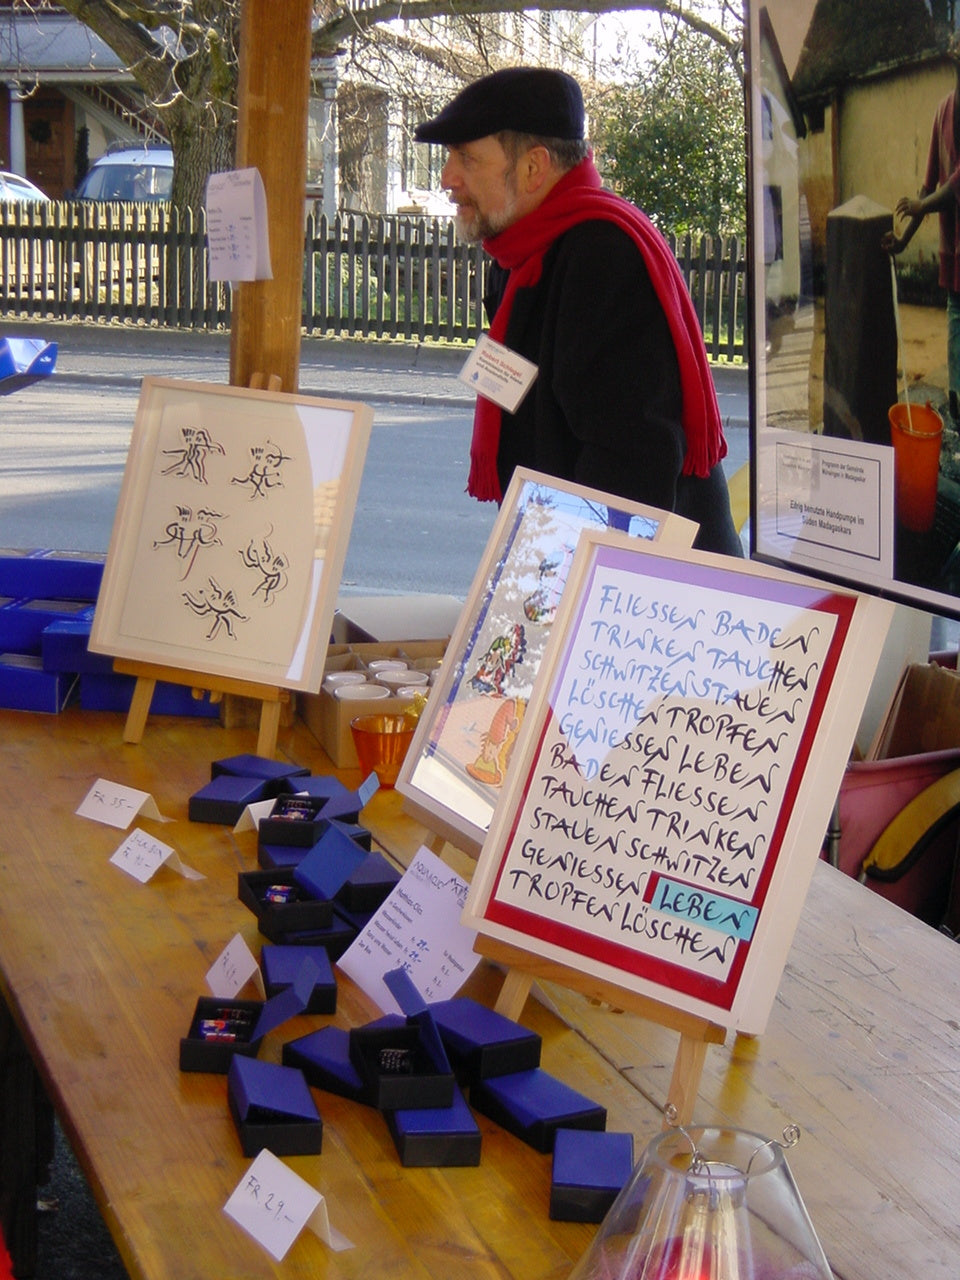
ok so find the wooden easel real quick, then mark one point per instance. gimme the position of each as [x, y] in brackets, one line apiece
[523, 968]
[147, 674]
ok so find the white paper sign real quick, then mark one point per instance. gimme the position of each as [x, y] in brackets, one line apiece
[417, 928]
[141, 854]
[497, 373]
[117, 805]
[237, 240]
[249, 820]
[232, 969]
[273, 1204]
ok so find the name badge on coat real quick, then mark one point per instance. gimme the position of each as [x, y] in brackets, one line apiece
[498, 374]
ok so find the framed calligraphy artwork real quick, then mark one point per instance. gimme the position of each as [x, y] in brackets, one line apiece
[675, 773]
[454, 771]
[231, 531]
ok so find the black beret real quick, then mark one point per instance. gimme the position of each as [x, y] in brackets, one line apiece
[523, 99]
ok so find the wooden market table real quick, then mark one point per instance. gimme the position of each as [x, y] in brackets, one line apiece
[101, 975]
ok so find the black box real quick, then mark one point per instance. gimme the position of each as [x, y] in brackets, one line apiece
[293, 820]
[334, 939]
[264, 893]
[281, 964]
[324, 1058]
[329, 864]
[272, 1107]
[247, 765]
[481, 1042]
[533, 1105]
[369, 884]
[436, 1137]
[403, 1066]
[589, 1171]
[214, 1055]
[224, 798]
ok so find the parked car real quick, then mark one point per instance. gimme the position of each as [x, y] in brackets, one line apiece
[15, 187]
[136, 173]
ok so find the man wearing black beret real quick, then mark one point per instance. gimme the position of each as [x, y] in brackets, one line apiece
[586, 288]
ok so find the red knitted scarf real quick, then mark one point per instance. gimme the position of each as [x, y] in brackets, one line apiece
[579, 197]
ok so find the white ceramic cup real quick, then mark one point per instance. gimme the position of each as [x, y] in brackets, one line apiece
[395, 679]
[335, 679]
[360, 692]
[376, 665]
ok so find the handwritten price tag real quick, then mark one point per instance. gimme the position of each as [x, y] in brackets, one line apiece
[273, 1204]
[141, 854]
[117, 805]
[232, 969]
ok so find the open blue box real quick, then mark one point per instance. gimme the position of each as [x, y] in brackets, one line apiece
[369, 884]
[272, 1107]
[533, 1105]
[436, 1137]
[481, 1042]
[294, 820]
[324, 1058]
[281, 905]
[224, 798]
[589, 1171]
[280, 965]
[212, 1049]
[403, 1066]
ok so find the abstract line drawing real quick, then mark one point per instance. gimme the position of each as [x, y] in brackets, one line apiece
[266, 470]
[191, 459]
[216, 603]
[189, 532]
[270, 565]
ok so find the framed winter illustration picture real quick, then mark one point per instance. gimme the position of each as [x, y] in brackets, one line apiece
[231, 532]
[457, 763]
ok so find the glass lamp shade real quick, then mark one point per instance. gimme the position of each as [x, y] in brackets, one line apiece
[707, 1204]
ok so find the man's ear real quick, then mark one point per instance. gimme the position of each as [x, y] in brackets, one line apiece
[535, 170]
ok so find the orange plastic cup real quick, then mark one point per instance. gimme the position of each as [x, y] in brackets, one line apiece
[382, 741]
[915, 433]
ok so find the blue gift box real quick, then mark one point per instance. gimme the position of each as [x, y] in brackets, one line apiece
[22, 622]
[329, 864]
[64, 646]
[66, 575]
[481, 1042]
[334, 938]
[294, 820]
[436, 1137]
[248, 765]
[224, 798]
[369, 884]
[113, 692]
[403, 1066]
[25, 686]
[272, 1107]
[324, 1058]
[222, 1029]
[533, 1105]
[588, 1173]
[281, 905]
[280, 965]
[358, 834]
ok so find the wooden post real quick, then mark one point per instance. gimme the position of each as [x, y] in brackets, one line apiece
[273, 100]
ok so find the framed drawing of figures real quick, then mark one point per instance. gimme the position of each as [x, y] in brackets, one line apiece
[231, 532]
[457, 763]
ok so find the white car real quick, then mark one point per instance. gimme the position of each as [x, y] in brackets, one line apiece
[131, 173]
[15, 187]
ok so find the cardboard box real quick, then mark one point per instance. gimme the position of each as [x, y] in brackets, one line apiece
[589, 1171]
[436, 1137]
[328, 718]
[924, 713]
[533, 1105]
[272, 1106]
[378, 618]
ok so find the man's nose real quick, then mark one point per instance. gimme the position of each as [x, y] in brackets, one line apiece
[450, 173]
